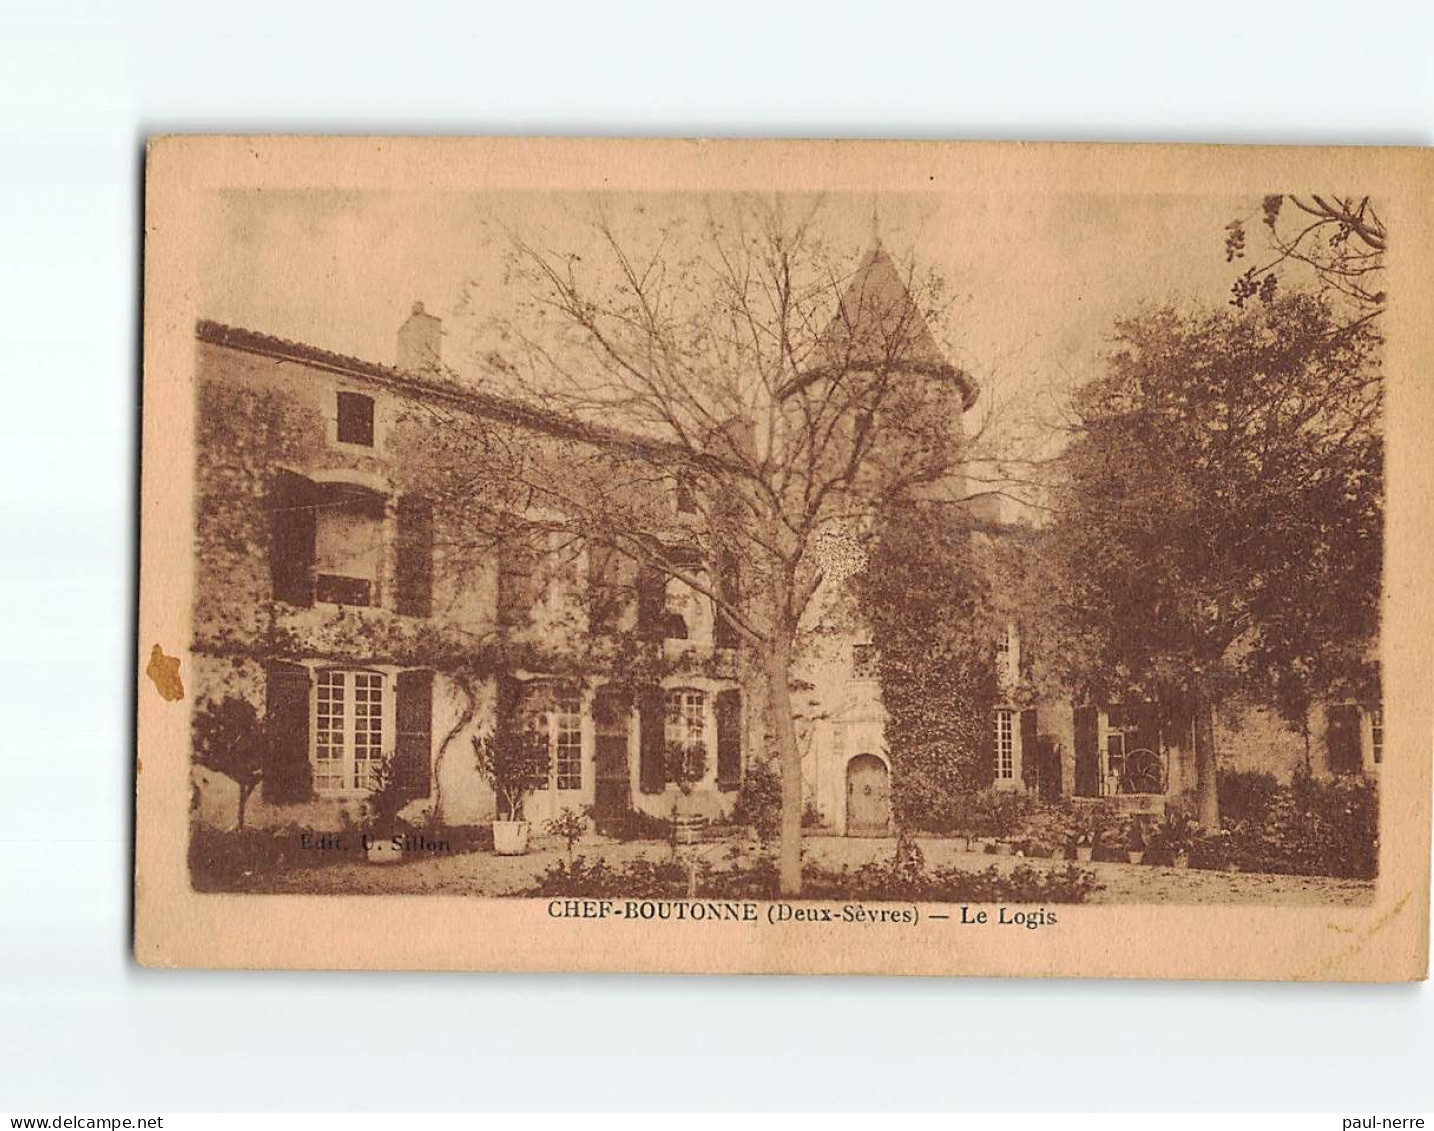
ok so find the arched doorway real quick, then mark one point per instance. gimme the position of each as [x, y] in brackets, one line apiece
[868, 797]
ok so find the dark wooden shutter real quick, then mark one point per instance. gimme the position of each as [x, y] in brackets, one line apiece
[415, 556]
[652, 740]
[517, 580]
[729, 588]
[413, 749]
[604, 587]
[729, 739]
[292, 528]
[1031, 768]
[1342, 739]
[651, 602]
[288, 775]
[1087, 752]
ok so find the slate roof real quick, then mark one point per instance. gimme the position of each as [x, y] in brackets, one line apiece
[876, 322]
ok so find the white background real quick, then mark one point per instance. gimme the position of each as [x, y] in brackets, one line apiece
[81, 84]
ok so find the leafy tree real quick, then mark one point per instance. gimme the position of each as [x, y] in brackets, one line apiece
[229, 738]
[785, 392]
[1219, 512]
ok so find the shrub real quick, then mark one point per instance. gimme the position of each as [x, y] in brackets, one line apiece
[569, 826]
[1047, 830]
[1246, 795]
[999, 813]
[1313, 827]
[899, 878]
[759, 801]
[635, 825]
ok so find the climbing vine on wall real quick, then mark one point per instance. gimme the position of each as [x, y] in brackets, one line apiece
[926, 593]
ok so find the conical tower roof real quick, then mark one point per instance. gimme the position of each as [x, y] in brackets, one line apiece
[878, 325]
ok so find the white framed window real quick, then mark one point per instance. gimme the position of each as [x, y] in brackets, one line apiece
[557, 718]
[1376, 733]
[686, 716]
[1005, 744]
[348, 730]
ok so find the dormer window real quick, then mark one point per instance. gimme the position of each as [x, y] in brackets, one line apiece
[355, 419]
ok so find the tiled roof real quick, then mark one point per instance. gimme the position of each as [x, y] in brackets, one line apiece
[476, 401]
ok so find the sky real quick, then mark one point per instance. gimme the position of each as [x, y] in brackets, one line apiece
[1037, 280]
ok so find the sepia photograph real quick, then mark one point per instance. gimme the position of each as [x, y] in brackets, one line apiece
[694, 554]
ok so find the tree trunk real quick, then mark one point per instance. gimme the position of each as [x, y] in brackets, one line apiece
[1207, 797]
[779, 696]
[243, 801]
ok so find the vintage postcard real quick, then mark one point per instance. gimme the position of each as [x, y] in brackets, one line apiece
[786, 557]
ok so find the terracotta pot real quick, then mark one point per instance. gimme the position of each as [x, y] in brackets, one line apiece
[1084, 852]
[1136, 855]
[510, 838]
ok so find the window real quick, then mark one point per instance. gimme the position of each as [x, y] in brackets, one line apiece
[1376, 733]
[1005, 744]
[686, 716]
[348, 730]
[348, 545]
[556, 718]
[863, 661]
[355, 419]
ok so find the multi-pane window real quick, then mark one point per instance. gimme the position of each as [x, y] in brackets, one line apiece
[567, 742]
[1005, 744]
[348, 730]
[686, 716]
[355, 424]
[1376, 733]
[556, 720]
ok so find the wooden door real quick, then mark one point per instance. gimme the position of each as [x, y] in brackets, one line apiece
[868, 797]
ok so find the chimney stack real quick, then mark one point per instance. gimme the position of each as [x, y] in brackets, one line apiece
[420, 342]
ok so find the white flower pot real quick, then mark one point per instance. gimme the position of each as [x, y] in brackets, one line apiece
[510, 838]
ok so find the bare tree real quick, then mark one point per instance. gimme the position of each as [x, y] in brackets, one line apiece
[737, 360]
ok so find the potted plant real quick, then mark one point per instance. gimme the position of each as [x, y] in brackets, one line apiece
[686, 766]
[515, 763]
[1135, 841]
[1084, 833]
[1175, 836]
[381, 825]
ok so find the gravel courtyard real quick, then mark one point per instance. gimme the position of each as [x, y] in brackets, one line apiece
[485, 874]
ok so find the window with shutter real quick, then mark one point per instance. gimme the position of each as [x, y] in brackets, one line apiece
[729, 588]
[414, 567]
[288, 775]
[1342, 739]
[652, 719]
[413, 736]
[292, 505]
[348, 544]
[518, 580]
[729, 739]
[355, 423]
